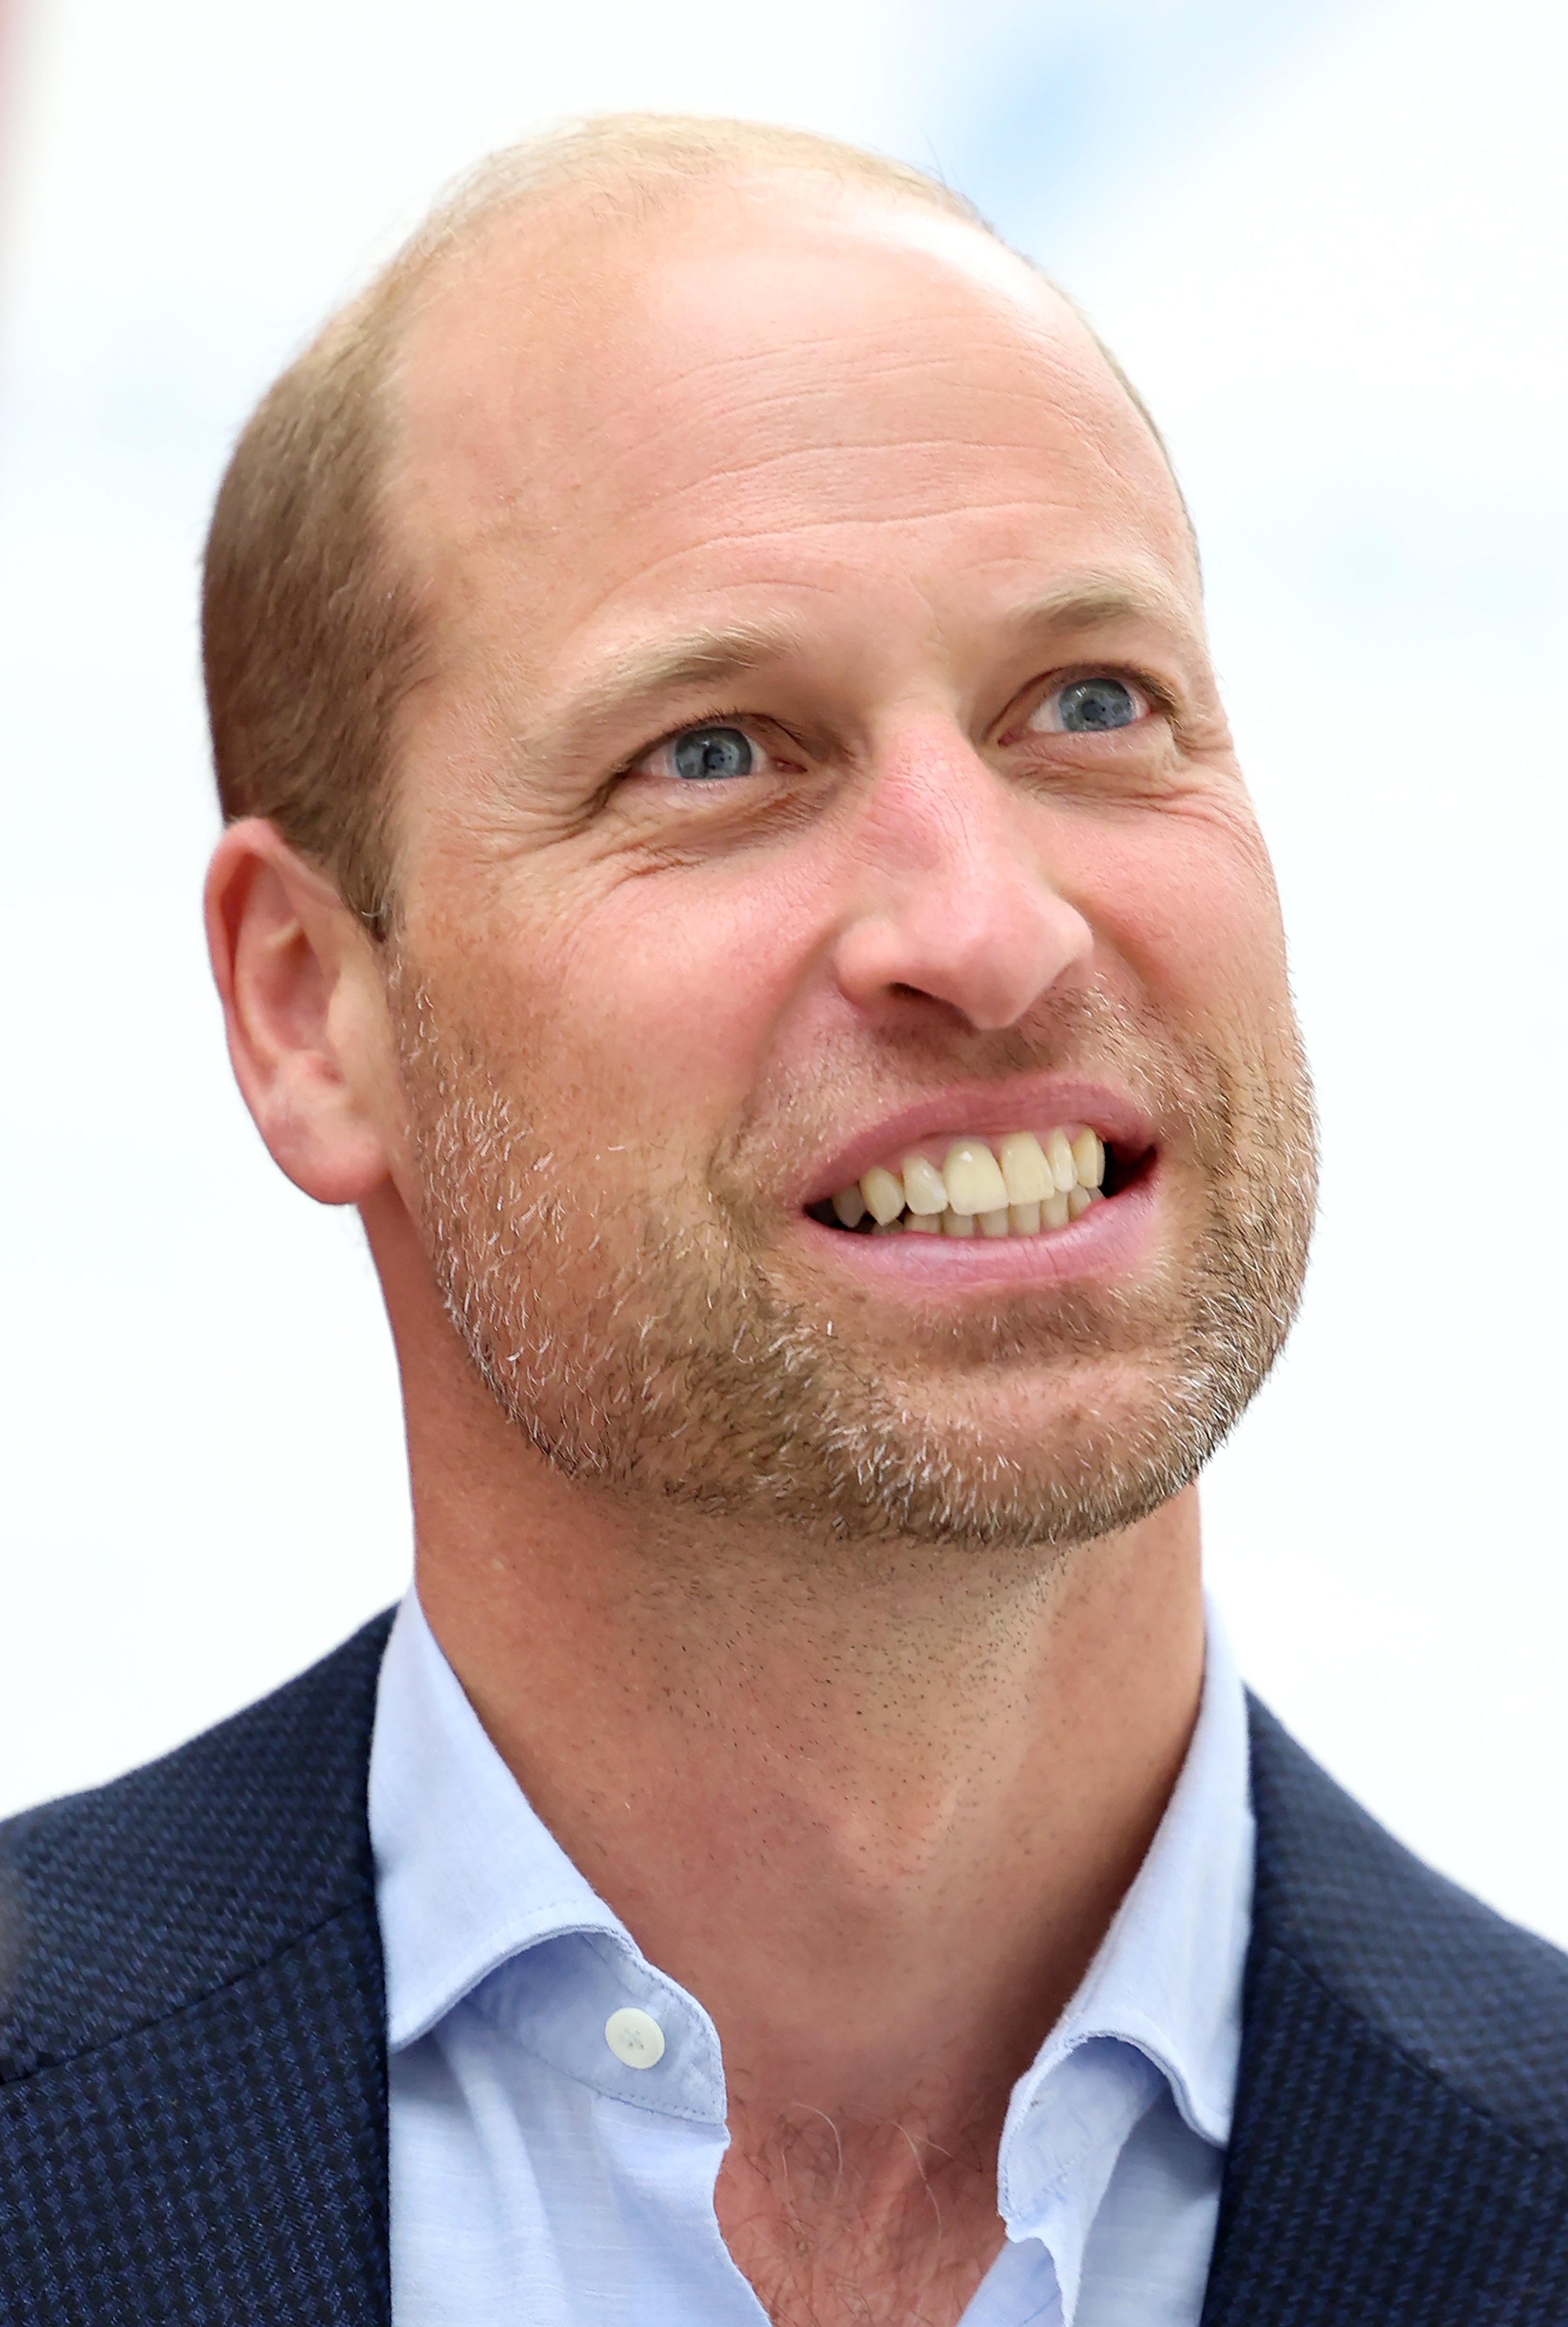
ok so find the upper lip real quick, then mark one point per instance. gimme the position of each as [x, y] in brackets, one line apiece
[984, 1110]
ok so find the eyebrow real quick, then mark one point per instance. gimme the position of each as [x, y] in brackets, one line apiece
[643, 676]
[1097, 602]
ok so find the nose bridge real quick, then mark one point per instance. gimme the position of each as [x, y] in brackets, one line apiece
[950, 895]
[934, 803]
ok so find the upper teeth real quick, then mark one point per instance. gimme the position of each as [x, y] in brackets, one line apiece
[1019, 1187]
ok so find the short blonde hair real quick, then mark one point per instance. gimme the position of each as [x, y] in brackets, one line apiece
[312, 636]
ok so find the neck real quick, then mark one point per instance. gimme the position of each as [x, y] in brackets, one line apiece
[812, 1777]
[800, 1770]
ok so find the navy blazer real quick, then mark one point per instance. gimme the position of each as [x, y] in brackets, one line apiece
[194, 2072]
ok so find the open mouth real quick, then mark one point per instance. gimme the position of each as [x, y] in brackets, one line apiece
[1025, 1183]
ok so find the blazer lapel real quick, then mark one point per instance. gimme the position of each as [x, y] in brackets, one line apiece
[1375, 2178]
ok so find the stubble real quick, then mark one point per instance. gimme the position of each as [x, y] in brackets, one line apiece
[638, 1330]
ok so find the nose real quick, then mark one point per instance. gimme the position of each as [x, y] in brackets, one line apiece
[952, 899]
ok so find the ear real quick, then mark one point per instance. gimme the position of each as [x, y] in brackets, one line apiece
[304, 1006]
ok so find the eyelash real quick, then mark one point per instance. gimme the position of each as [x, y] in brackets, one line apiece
[1159, 697]
[746, 721]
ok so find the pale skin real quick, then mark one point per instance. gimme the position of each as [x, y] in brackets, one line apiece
[875, 1808]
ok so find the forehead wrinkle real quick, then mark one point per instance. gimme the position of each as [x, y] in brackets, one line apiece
[489, 517]
[797, 418]
[865, 363]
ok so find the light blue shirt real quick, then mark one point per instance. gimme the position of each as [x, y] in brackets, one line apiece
[539, 2181]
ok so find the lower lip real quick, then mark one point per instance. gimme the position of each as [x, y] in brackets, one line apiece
[1110, 1239]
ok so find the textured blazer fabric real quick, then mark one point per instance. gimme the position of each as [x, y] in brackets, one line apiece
[194, 2076]
[192, 2056]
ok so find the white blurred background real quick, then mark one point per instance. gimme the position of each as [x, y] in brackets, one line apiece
[1326, 241]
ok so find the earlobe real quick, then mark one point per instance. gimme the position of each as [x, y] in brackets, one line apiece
[304, 1011]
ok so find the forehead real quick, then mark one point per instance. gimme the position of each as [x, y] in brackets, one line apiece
[771, 388]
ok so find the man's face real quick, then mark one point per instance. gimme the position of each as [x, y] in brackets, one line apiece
[821, 767]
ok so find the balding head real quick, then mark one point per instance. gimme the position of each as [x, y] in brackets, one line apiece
[317, 625]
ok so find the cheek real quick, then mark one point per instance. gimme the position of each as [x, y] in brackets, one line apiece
[1187, 899]
[662, 996]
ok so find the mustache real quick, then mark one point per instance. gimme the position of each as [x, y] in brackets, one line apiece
[1171, 1073]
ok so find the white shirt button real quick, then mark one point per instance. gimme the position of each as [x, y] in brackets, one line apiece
[634, 2037]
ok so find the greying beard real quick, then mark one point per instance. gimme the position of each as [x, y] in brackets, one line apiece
[679, 1371]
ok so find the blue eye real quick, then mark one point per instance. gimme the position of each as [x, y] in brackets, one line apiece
[705, 753]
[1088, 707]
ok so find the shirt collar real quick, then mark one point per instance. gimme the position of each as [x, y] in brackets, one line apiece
[470, 1880]
[466, 1874]
[1160, 2003]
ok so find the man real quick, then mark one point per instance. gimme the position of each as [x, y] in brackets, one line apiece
[735, 864]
